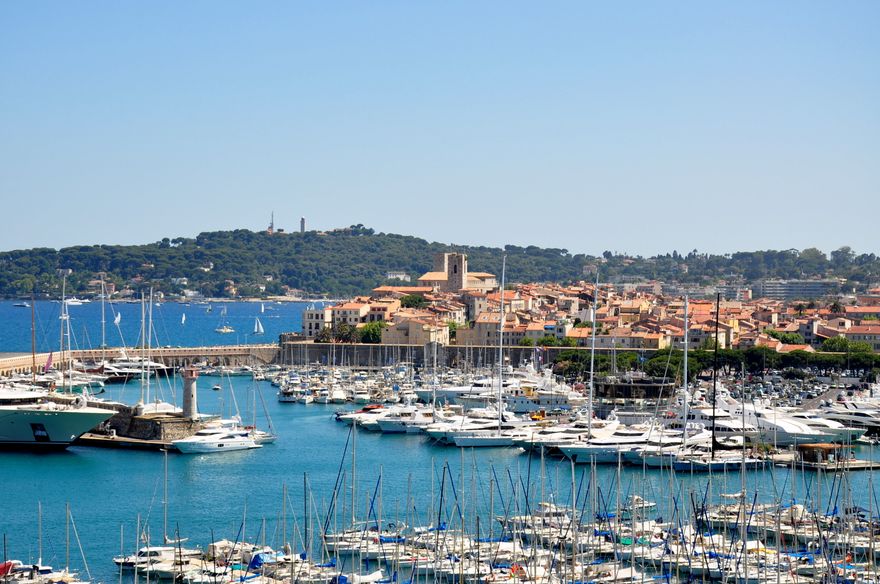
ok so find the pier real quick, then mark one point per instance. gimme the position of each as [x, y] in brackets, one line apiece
[22, 363]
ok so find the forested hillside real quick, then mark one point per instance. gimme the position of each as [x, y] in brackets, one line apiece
[354, 260]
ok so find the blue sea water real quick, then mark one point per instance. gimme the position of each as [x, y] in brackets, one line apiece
[168, 328]
[220, 495]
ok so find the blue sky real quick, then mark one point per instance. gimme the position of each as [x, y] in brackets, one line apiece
[629, 126]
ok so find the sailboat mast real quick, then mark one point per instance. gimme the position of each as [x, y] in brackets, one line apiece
[684, 375]
[143, 344]
[501, 341]
[39, 533]
[715, 368]
[33, 341]
[103, 322]
[165, 501]
[63, 316]
[592, 356]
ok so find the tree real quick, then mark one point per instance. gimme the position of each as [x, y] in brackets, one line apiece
[453, 329]
[413, 301]
[372, 332]
[787, 338]
[835, 345]
[325, 335]
[526, 342]
[548, 341]
[860, 347]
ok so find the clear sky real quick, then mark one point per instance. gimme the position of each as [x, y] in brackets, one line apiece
[643, 127]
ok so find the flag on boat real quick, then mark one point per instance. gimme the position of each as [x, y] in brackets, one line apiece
[48, 364]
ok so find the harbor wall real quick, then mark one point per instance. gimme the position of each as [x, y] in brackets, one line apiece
[368, 356]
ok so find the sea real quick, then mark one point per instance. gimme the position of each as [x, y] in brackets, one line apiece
[301, 484]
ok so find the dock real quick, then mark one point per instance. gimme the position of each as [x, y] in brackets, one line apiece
[113, 441]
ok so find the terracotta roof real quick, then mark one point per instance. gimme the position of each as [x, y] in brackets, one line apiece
[403, 289]
[434, 276]
[865, 329]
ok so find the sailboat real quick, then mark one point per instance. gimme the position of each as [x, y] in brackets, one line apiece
[258, 327]
[223, 327]
[183, 319]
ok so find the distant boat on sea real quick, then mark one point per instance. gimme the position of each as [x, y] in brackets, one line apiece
[22, 305]
[223, 327]
[258, 327]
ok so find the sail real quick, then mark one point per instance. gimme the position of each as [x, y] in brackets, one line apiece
[258, 327]
[183, 318]
[262, 308]
[117, 318]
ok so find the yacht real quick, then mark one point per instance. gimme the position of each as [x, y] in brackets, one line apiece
[853, 414]
[216, 440]
[408, 419]
[776, 427]
[725, 425]
[29, 419]
[609, 449]
[841, 432]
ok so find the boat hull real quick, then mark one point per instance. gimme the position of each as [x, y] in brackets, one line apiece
[27, 428]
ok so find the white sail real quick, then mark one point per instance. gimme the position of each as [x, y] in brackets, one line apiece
[117, 318]
[262, 308]
[258, 327]
[183, 318]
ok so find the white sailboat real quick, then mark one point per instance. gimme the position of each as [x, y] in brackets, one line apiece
[258, 327]
[183, 319]
[223, 327]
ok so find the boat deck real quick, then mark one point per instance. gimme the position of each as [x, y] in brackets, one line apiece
[105, 441]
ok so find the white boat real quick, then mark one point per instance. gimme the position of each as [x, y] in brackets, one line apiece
[223, 326]
[611, 448]
[841, 433]
[854, 414]
[407, 419]
[28, 419]
[776, 427]
[219, 439]
[258, 327]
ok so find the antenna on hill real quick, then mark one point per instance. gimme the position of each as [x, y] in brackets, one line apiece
[271, 229]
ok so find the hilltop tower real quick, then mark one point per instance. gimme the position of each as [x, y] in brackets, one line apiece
[302, 225]
[457, 272]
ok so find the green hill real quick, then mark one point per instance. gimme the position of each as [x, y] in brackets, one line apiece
[355, 260]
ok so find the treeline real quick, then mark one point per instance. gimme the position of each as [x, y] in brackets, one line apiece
[669, 363]
[857, 270]
[353, 261]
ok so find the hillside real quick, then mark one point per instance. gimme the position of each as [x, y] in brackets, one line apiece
[355, 260]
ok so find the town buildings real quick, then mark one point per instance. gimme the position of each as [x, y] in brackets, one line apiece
[453, 305]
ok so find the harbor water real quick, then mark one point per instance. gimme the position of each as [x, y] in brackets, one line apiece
[400, 478]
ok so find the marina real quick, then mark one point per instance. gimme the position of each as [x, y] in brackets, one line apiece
[515, 501]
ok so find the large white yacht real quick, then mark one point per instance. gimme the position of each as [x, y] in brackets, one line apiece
[850, 413]
[216, 439]
[777, 427]
[28, 419]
